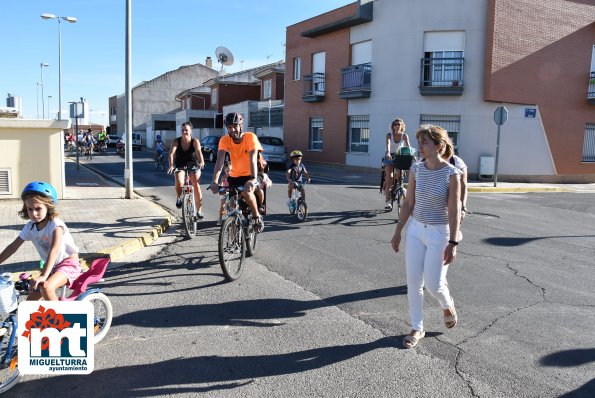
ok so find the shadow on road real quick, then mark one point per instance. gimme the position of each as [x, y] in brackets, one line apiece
[518, 241]
[257, 312]
[572, 358]
[181, 375]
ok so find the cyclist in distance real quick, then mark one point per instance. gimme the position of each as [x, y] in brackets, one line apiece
[398, 136]
[243, 148]
[296, 172]
[184, 150]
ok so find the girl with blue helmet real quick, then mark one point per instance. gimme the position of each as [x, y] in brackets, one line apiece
[51, 238]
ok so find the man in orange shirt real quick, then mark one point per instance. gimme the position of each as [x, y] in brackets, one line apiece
[243, 148]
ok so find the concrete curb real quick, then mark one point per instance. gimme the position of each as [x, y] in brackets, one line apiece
[130, 246]
[517, 189]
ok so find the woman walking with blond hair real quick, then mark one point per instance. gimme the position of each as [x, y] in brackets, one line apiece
[433, 203]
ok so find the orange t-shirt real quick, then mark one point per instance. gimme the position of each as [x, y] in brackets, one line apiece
[239, 154]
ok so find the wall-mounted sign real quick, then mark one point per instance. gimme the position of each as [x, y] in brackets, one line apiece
[530, 112]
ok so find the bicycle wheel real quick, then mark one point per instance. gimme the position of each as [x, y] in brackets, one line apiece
[251, 240]
[393, 197]
[400, 197]
[232, 248]
[302, 210]
[189, 215]
[9, 372]
[292, 206]
[103, 314]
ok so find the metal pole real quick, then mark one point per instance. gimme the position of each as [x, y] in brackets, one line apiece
[42, 96]
[60, 74]
[128, 114]
[76, 121]
[497, 155]
[38, 100]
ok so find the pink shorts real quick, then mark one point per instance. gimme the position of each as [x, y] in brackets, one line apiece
[70, 268]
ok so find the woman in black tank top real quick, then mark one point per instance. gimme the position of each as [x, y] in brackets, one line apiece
[184, 150]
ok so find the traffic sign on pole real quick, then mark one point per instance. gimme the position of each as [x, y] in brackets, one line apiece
[501, 115]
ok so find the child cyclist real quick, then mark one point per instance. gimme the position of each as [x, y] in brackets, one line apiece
[295, 173]
[51, 238]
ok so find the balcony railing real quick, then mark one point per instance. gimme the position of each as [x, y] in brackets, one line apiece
[314, 87]
[356, 81]
[591, 91]
[441, 76]
[271, 117]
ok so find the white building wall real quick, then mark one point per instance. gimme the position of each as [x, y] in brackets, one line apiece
[397, 34]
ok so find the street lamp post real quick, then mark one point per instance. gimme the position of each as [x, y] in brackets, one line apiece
[38, 84]
[67, 19]
[41, 66]
[49, 113]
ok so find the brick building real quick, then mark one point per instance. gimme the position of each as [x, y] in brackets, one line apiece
[351, 71]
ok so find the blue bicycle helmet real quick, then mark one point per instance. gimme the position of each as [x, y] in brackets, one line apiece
[42, 188]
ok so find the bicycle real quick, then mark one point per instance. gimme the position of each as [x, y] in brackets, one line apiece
[103, 314]
[237, 237]
[71, 147]
[89, 151]
[160, 160]
[102, 147]
[189, 213]
[398, 192]
[297, 204]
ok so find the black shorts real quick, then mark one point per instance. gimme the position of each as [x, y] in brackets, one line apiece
[238, 181]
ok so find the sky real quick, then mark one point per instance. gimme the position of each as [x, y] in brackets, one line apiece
[165, 36]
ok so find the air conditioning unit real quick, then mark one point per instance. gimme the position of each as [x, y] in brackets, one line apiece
[487, 167]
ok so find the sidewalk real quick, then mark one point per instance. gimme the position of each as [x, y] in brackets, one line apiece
[101, 221]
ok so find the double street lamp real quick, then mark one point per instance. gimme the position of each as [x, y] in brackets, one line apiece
[41, 66]
[70, 20]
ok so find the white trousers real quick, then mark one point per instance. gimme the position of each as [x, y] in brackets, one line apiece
[424, 259]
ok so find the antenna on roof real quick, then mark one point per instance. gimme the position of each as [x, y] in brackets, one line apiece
[224, 57]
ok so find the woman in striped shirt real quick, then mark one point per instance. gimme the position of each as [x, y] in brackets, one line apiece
[433, 202]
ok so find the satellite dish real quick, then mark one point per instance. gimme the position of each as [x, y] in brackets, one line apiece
[224, 56]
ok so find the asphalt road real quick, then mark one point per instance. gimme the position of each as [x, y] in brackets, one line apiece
[523, 285]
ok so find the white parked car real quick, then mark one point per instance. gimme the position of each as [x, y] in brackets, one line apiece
[274, 151]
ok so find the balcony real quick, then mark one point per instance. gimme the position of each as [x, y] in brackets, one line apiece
[356, 81]
[314, 87]
[441, 76]
[591, 90]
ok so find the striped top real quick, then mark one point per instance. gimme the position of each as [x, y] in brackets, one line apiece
[431, 193]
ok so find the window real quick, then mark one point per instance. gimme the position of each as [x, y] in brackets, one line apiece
[450, 123]
[316, 130]
[444, 68]
[266, 89]
[214, 93]
[318, 65]
[589, 143]
[359, 133]
[297, 68]
[274, 141]
[443, 58]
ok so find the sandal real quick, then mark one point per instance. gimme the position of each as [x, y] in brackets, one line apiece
[413, 338]
[451, 320]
